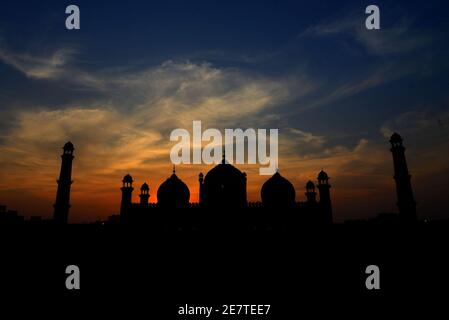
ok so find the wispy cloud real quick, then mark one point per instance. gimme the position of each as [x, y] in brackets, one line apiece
[399, 37]
[182, 92]
[303, 137]
[51, 67]
[415, 121]
[55, 66]
[129, 131]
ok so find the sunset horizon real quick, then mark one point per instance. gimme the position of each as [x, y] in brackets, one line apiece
[98, 204]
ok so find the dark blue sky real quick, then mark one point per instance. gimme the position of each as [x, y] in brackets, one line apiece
[257, 36]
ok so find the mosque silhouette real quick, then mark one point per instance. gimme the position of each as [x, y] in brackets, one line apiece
[223, 198]
[222, 191]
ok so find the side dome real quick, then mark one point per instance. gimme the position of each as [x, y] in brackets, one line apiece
[173, 193]
[278, 192]
[225, 187]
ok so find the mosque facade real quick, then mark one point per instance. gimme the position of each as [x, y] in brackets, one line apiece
[224, 190]
[223, 197]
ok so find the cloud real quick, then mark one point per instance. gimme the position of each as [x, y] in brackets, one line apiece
[399, 37]
[176, 93]
[391, 40]
[426, 132]
[55, 66]
[129, 130]
[327, 28]
[131, 134]
[301, 145]
[416, 122]
[357, 84]
[107, 146]
[51, 67]
[159, 99]
[303, 137]
[105, 141]
[361, 174]
[353, 87]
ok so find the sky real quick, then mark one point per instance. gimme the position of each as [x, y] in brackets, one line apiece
[136, 70]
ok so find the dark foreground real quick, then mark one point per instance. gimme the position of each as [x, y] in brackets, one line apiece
[138, 269]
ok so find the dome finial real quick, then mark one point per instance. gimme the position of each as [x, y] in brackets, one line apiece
[224, 155]
[174, 169]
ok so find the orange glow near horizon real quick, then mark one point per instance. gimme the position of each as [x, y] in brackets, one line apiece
[361, 175]
[95, 196]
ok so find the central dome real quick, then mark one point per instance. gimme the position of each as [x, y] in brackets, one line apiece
[224, 172]
[173, 193]
[225, 186]
[278, 192]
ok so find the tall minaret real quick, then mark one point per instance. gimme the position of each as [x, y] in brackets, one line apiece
[325, 196]
[127, 194]
[406, 202]
[62, 204]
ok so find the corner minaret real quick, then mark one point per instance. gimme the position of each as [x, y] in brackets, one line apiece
[310, 192]
[406, 202]
[127, 194]
[144, 195]
[62, 204]
[325, 197]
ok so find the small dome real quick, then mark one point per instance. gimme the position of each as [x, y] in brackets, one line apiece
[322, 176]
[310, 185]
[145, 187]
[173, 192]
[278, 192]
[395, 138]
[69, 146]
[128, 179]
